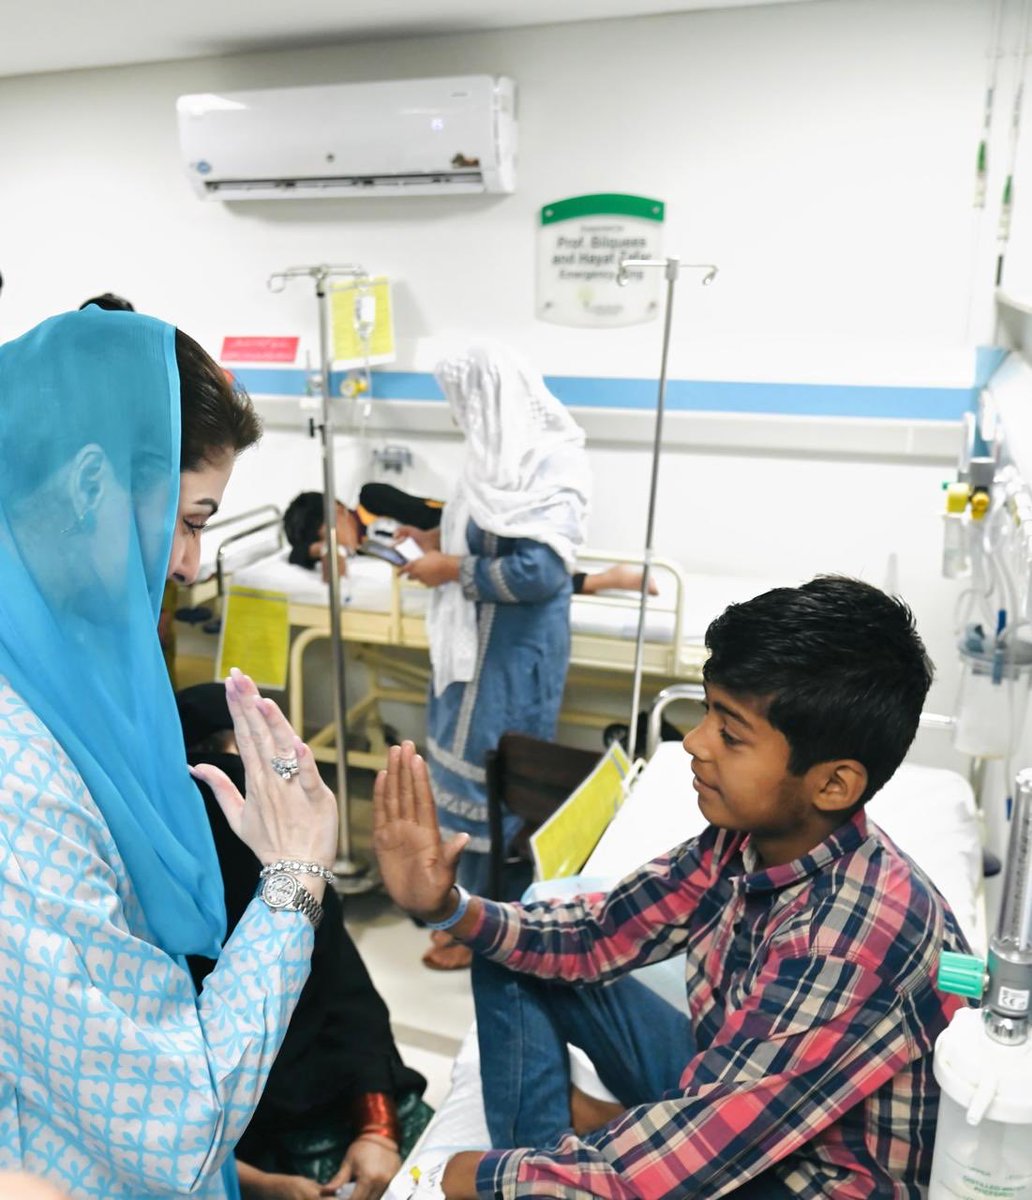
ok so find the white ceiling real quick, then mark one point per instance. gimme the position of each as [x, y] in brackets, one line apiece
[61, 35]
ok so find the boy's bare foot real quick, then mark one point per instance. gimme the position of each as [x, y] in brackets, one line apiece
[446, 954]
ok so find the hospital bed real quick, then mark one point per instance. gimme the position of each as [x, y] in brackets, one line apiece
[383, 626]
[228, 543]
[659, 813]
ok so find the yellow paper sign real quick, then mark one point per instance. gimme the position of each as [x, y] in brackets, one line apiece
[255, 636]
[563, 844]
[363, 322]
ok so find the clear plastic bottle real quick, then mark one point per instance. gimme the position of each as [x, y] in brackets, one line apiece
[955, 560]
[992, 701]
[983, 1139]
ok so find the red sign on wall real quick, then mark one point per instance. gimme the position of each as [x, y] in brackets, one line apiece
[260, 349]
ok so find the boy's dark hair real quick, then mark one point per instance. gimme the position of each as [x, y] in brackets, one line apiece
[216, 416]
[302, 521]
[837, 665]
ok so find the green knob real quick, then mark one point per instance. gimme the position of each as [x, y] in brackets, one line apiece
[961, 974]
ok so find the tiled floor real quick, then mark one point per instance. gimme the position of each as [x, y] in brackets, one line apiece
[430, 1010]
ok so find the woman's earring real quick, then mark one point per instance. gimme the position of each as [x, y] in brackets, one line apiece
[85, 522]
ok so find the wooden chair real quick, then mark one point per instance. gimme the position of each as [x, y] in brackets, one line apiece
[531, 778]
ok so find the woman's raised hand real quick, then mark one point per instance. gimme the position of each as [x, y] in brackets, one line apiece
[289, 812]
[418, 869]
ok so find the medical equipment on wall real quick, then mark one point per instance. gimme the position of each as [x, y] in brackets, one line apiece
[392, 457]
[362, 336]
[987, 537]
[992, 71]
[354, 875]
[983, 1059]
[671, 268]
[1007, 200]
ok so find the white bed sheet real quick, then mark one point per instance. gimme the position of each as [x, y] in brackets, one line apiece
[260, 542]
[929, 813]
[367, 587]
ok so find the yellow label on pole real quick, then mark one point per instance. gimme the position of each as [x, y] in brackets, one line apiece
[362, 322]
[255, 636]
[563, 844]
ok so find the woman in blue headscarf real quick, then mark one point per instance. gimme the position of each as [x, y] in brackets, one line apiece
[117, 437]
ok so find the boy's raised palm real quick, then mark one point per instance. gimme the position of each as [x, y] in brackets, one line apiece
[418, 869]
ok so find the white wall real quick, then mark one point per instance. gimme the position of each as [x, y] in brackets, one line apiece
[821, 154]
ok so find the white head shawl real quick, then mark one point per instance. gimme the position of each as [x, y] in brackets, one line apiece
[525, 476]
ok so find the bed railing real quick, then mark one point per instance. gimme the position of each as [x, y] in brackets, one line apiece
[695, 691]
[661, 569]
[275, 518]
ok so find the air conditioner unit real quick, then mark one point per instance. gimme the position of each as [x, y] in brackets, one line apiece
[408, 137]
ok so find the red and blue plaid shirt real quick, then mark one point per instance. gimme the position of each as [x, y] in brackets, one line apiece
[811, 994]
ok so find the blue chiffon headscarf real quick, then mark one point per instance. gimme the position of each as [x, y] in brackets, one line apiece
[89, 491]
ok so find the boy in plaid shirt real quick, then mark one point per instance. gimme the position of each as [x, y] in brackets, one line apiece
[802, 1067]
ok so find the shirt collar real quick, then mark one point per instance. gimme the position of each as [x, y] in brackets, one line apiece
[364, 518]
[844, 840]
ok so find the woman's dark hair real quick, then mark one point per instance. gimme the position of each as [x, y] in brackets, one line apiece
[837, 666]
[110, 302]
[304, 517]
[216, 415]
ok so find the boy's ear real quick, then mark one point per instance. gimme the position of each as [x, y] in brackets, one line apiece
[838, 785]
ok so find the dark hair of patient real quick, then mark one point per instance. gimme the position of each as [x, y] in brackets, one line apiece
[836, 666]
[302, 522]
[216, 416]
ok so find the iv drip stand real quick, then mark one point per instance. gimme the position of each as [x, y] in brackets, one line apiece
[352, 876]
[671, 269]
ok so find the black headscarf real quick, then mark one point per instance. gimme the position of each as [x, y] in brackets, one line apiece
[338, 1044]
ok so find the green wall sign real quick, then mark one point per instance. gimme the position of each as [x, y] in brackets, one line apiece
[580, 243]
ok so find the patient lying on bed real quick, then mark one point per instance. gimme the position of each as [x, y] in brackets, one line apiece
[412, 516]
[803, 1064]
[380, 510]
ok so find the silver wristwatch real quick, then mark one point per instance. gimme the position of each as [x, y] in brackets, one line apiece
[280, 890]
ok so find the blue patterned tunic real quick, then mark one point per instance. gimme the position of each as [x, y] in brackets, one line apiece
[522, 590]
[116, 1080]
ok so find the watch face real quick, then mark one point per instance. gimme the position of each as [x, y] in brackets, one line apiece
[279, 890]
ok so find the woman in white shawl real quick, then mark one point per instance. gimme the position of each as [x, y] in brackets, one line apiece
[499, 619]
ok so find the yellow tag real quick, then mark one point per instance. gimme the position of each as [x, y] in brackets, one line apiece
[255, 636]
[564, 842]
[957, 497]
[349, 301]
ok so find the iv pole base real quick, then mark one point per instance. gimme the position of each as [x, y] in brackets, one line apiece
[353, 878]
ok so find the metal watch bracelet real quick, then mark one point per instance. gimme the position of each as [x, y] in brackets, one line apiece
[294, 864]
[281, 890]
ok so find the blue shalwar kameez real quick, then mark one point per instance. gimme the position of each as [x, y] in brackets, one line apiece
[500, 634]
[522, 592]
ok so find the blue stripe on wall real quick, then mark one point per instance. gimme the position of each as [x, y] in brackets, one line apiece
[683, 395]
[987, 360]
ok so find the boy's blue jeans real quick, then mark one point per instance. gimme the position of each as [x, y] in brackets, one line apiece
[638, 1043]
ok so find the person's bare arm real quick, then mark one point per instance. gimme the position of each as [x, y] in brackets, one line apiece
[425, 539]
[618, 577]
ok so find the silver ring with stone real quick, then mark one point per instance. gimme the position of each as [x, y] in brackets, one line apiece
[285, 768]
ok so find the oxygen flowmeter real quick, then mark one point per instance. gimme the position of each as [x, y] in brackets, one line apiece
[983, 1060]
